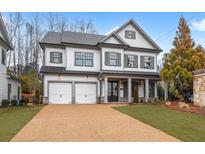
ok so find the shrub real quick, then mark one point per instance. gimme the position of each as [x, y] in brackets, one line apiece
[5, 102]
[14, 102]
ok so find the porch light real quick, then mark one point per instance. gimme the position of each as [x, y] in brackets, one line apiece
[59, 77]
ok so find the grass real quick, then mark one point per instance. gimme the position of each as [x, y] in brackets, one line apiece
[12, 119]
[182, 125]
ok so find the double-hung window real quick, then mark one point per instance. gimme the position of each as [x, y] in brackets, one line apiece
[112, 59]
[147, 62]
[56, 57]
[83, 59]
[131, 61]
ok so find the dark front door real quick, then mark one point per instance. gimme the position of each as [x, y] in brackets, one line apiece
[112, 91]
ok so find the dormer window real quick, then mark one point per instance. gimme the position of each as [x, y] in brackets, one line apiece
[129, 34]
[56, 57]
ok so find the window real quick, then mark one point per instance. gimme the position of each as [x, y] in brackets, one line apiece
[129, 34]
[83, 59]
[131, 61]
[78, 58]
[113, 59]
[89, 59]
[147, 62]
[56, 57]
[3, 57]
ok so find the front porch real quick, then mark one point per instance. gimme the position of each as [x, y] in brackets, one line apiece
[128, 89]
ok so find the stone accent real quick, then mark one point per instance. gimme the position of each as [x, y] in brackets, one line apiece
[199, 89]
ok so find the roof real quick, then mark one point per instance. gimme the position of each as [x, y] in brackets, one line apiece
[62, 70]
[5, 38]
[77, 38]
[72, 37]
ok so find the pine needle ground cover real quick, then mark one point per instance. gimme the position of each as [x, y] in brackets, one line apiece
[12, 119]
[182, 125]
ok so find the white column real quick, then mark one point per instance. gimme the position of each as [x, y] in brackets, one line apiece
[105, 90]
[146, 90]
[165, 90]
[129, 90]
[119, 91]
[155, 90]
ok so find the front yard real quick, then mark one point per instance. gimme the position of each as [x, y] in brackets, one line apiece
[12, 119]
[182, 125]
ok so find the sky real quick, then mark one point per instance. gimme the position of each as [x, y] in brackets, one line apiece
[160, 26]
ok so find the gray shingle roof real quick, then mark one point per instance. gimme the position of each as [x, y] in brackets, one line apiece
[81, 38]
[72, 37]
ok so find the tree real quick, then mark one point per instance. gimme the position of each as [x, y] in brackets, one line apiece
[182, 60]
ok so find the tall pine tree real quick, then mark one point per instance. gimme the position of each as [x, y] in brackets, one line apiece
[182, 60]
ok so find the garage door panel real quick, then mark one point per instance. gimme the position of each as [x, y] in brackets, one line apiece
[60, 93]
[85, 93]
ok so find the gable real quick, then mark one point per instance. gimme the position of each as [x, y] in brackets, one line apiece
[112, 40]
[139, 41]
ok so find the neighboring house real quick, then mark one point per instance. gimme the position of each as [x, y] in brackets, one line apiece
[14, 88]
[88, 68]
[5, 80]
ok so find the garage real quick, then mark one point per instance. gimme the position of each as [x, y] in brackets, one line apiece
[60, 93]
[85, 93]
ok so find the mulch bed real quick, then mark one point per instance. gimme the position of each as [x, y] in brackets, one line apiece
[193, 109]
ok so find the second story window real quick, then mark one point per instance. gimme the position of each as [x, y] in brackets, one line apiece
[56, 57]
[3, 57]
[89, 59]
[147, 62]
[131, 61]
[78, 59]
[112, 59]
[83, 59]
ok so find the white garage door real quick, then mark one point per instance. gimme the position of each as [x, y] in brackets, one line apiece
[60, 93]
[85, 93]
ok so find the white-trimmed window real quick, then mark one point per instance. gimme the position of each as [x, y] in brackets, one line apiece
[130, 34]
[84, 59]
[56, 57]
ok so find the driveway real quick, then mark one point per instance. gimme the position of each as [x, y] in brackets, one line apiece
[87, 123]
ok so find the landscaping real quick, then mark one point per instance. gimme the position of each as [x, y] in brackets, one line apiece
[12, 119]
[182, 125]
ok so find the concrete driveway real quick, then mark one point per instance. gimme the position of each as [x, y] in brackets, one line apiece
[87, 123]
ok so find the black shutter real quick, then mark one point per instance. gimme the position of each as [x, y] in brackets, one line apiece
[107, 58]
[135, 61]
[125, 60]
[152, 62]
[51, 57]
[60, 57]
[118, 59]
[141, 61]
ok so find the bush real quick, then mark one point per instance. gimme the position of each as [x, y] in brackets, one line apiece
[5, 102]
[14, 102]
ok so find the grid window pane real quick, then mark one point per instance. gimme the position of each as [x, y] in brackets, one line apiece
[113, 59]
[56, 57]
[130, 61]
[89, 59]
[147, 62]
[78, 58]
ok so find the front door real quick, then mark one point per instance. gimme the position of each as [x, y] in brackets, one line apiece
[112, 91]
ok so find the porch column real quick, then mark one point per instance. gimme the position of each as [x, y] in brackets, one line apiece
[165, 90]
[105, 90]
[146, 90]
[129, 90]
[155, 90]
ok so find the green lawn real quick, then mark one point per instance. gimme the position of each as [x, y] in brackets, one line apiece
[12, 119]
[182, 125]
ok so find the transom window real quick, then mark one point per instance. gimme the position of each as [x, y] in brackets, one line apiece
[129, 34]
[83, 59]
[3, 57]
[56, 57]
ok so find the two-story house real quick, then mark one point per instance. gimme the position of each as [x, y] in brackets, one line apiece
[88, 68]
[10, 88]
